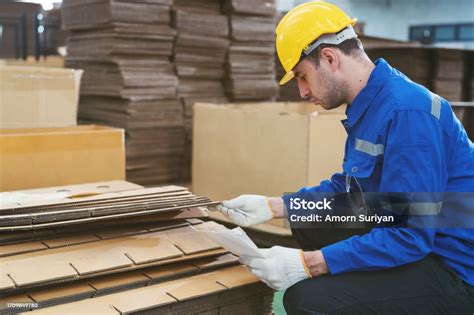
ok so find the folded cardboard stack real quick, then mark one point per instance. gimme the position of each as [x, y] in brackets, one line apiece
[449, 74]
[135, 260]
[129, 81]
[251, 55]
[199, 57]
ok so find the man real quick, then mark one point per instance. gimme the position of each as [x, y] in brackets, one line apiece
[401, 139]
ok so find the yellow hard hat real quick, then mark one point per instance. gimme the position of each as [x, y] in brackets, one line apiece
[305, 24]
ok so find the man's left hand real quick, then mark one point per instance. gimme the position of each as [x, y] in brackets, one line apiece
[280, 268]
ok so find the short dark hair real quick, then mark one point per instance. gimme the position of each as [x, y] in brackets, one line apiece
[350, 47]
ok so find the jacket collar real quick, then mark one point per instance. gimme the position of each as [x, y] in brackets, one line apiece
[366, 96]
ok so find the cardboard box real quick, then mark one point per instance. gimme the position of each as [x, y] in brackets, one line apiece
[265, 148]
[44, 157]
[35, 97]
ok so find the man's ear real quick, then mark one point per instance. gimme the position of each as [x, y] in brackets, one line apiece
[331, 57]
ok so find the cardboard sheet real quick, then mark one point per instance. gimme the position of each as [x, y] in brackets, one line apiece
[102, 257]
[165, 293]
[15, 249]
[235, 240]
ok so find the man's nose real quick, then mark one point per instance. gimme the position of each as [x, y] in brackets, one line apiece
[304, 89]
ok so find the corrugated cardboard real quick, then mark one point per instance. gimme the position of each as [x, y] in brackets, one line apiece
[34, 97]
[174, 292]
[34, 158]
[49, 62]
[265, 148]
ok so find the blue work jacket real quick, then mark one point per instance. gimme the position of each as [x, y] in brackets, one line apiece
[402, 138]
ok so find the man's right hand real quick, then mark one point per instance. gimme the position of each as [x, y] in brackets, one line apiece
[247, 210]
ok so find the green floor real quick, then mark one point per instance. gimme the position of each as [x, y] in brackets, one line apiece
[278, 303]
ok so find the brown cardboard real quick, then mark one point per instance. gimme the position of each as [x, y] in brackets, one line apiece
[237, 276]
[87, 189]
[192, 242]
[100, 257]
[31, 61]
[34, 158]
[6, 282]
[108, 197]
[204, 285]
[154, 248]
[61, 292]
[170, 270]
[15, 249]
[17, 298]
[264, 148]
[45, 269]
[118, 280]
[70, 240]
[35, 97]
[211, 262]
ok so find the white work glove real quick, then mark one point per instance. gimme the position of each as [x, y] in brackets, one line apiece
[247, 210]
[280, 269]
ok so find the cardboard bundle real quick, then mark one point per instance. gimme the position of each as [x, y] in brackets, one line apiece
[109, 206]
[251, 55]
[199, 58]
[149, 262]
[84, 14]
[448, 74]
[129, 80]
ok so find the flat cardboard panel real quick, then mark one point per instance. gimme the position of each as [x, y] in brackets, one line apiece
[45, 269]
[87, 188]
[157, 247]
[184, 289]
[32, 97]
[34, 158]
[210, 262]
[85, 307]
[142, 298]
[117, 280]
[237, 276]
[6, 282]
[267, 154]
[192, 242]
[71, 240]
[106, 255]
[170, 270]
[14, 249]
[62, 291]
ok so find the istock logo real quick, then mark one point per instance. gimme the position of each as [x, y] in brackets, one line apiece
[301, 204]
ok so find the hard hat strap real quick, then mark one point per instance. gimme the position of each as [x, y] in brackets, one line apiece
[333, 39]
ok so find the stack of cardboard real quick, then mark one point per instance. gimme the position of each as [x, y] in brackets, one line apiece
[154, 262]
[448, 74]
[129, 81]
[414, 62]
[251, 56]
[199, 58]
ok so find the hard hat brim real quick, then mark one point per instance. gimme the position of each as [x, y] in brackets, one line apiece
[287, 77]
